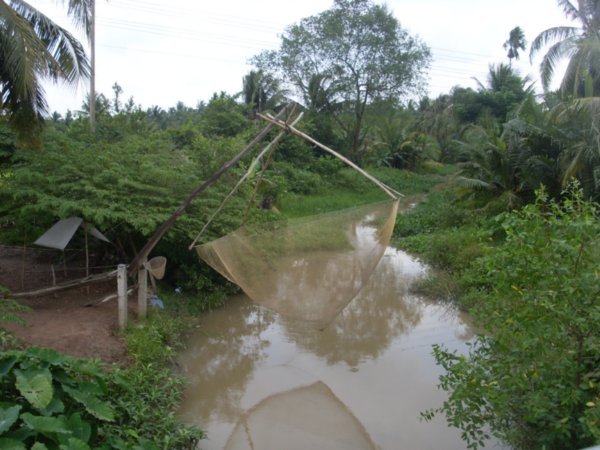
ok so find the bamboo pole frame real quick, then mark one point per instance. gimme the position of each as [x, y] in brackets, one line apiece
[166, 225]
[290, 129]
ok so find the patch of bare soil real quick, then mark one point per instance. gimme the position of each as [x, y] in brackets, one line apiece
[66, 322]
[70, 321]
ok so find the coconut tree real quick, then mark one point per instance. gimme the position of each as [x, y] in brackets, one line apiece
[516, 41]
[580, 44]
[261, 91]
[34, 48]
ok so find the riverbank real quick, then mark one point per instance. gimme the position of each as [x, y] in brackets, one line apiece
[529, 278]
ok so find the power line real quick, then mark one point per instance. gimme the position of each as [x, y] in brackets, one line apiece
[174, 11]
[174, 54]
[184, 33]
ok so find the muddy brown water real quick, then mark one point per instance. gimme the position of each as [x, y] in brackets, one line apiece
[258, 381]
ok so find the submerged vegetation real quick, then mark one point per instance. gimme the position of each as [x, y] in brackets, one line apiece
[506, 183]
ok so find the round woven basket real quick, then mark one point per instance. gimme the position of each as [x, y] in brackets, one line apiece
[157, 266]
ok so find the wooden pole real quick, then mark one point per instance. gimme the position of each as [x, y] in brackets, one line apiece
[142, 291]
[66, 285]
[122, 294]
[87, 256]
[23, 267]
[269, 148]
[162, 229]
[53, 275]
[93, 67]
[285, 126]
[87, 253]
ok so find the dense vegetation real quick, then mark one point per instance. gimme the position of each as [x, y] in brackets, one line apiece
[512, 222]
[529, 279]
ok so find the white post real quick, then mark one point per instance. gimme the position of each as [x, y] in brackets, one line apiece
[142, 291]
[122, 294]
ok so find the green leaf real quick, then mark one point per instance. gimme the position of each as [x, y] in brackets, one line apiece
[39, 446]
[7, 363]
[96, 407]
[21, 434]
[11, 444]
[8, 416]
[79, 427]
[56, 406]
[43, 424]
[50, 356]
[74, 444]
[35, 386]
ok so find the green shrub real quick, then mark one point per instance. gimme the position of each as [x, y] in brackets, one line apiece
[145, 408]
[438, 211]
[8, 314]
[532, 380]
[156, 339]
[50, 400]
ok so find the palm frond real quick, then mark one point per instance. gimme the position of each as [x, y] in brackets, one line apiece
[64, 56]
[551, 35]
[33, 47]
[553, 56]
[80, 12]
[474, 184]
[571, 11]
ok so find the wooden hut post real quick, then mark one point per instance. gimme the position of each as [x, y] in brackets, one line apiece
[87, 252]
[122, 294]
[142, 291]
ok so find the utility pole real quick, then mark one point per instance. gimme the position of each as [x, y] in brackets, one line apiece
[92, 99]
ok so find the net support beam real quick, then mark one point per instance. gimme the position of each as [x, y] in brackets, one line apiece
[167, 224]
[290, 129]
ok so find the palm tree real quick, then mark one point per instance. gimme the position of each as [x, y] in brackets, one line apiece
[261, 91]
[580, 44]
[516, 41]
[33, 48]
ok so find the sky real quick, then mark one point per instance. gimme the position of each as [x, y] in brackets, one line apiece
[164, 51]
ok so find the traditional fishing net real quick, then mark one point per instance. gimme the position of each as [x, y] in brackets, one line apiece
[305, 417]
[307, 269]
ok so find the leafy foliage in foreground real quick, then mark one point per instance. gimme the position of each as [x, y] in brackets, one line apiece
[533, 380]
[53, 401]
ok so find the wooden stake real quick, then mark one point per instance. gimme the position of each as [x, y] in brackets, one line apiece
[122, 294]
[53, 275]
[23, 268]
[87, 252]
[142, 291]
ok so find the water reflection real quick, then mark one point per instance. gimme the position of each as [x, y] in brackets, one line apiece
[381, 311]
[223, 353]
[300, 418]
[244, 354]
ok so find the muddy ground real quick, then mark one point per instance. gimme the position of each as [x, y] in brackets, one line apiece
[70, 321]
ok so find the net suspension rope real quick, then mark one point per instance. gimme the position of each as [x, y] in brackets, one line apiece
[241, 181]
[289, 127]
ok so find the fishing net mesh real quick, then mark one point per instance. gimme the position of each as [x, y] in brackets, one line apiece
[309, 268]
